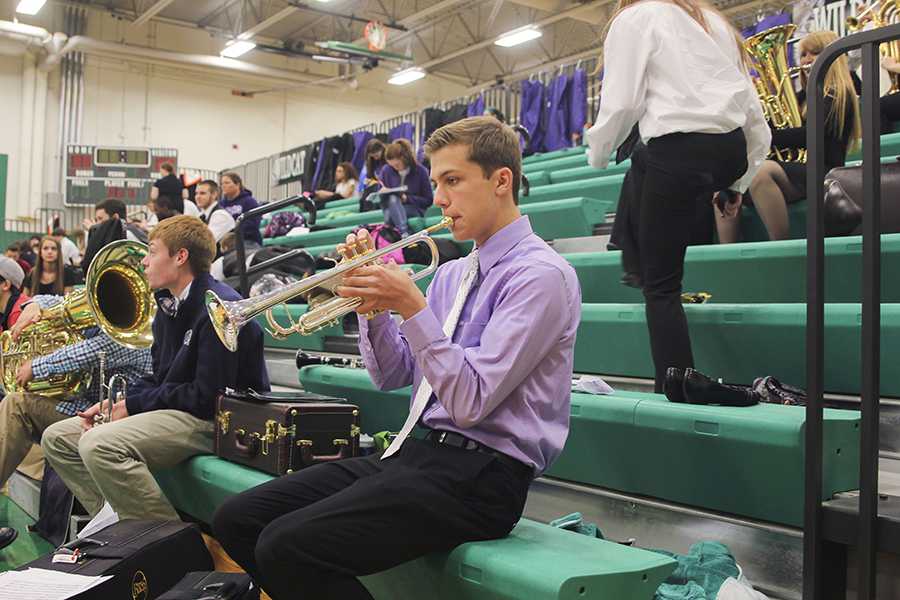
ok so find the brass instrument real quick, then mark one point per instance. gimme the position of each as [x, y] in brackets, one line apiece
[768, 49]
[108, 392]
[325, 307]
[116, 297]
[888, 14]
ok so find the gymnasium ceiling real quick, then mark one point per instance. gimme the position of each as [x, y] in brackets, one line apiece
[452, 39]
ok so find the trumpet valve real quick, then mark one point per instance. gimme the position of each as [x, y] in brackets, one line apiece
[345, 251]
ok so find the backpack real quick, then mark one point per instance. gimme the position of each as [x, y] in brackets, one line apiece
[282, 222]
[385, 235]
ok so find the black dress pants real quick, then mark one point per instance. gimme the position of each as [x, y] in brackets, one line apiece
[678, 175]
[310, 534]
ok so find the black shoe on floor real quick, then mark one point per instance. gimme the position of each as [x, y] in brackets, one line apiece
[7, 536]
[673, 386]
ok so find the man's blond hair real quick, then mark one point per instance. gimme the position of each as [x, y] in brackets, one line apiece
[492, 145]
[190, 233]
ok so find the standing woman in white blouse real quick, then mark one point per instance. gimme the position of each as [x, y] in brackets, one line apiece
[677, 68]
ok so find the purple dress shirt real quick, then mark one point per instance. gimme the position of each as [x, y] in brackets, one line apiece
[505, 378]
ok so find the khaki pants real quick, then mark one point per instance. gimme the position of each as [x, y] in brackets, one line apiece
[114, 461]
[23, 419]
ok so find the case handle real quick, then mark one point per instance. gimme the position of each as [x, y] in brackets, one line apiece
[247, 445]
[308, 458]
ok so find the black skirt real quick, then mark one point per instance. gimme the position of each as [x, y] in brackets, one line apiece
[796, 174]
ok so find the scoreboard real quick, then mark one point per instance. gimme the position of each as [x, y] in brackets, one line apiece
[94, 173]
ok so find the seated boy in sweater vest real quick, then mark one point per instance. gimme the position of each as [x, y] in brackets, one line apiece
[167, 417]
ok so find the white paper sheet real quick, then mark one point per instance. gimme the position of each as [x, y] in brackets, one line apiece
[106, 517]
[43, 584]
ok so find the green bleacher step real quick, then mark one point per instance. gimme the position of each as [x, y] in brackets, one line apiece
[586, 172]
[535, 561]
[542, 157]
[739, 342]
[600, 188]
[759, 272]
[741, 461]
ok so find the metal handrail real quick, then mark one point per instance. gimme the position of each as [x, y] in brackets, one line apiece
[815, 559]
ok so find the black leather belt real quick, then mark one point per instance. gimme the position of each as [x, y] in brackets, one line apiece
[458, 440]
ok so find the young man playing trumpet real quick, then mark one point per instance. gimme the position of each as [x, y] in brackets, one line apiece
[24, 416]
[489, 353]
[166, 417]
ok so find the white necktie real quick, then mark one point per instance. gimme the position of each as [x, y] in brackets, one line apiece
[424, 391]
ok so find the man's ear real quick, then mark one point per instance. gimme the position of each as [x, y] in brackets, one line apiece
[504, 181]
[5, 286]
[182, 256]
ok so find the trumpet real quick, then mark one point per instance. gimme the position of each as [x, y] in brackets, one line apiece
[108, 392]
[325, 307]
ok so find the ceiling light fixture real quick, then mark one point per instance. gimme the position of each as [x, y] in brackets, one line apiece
[236, 48]
[407, 76]
[518, 36]
[30, 7]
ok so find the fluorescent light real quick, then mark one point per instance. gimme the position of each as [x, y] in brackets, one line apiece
[406, 76]
[236, 48]
[518, 36]
[30, 7]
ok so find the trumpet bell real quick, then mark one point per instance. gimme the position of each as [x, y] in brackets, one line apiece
[226, 324]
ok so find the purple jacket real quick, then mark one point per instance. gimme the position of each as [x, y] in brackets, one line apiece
[242, 203]
[418, 183]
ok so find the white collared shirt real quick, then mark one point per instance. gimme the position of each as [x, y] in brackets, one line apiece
[663, 71]
[219, 222]
[183, 295]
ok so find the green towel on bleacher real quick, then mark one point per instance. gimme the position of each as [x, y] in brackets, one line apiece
[700, 573]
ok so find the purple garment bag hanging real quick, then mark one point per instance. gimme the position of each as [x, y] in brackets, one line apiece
[530, 115]
[476, 107]
[360, 140]
[314, 184]
[577, 99]
[555, 136]
[404, 130]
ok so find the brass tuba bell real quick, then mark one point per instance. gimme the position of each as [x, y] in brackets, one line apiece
[116, 298]
[768, 49]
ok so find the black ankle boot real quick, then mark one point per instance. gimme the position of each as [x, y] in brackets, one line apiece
[700, 389]
[673, 386]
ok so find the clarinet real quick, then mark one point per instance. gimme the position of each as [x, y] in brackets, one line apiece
[305, 359]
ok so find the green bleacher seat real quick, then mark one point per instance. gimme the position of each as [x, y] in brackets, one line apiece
[535, 561]
[586, 172]
[749, 273]
[890, 146]
[718, 458]
[601, 188]
[739, 342]
[538, 178]
[566, 162]
[541, 157]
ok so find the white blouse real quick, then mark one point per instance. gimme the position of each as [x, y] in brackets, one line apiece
[663, 71]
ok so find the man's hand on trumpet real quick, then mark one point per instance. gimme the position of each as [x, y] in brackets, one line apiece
[381, 286]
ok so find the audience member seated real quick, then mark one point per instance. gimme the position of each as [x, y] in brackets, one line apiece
[374, 163]
[219, 220]
[402, 169]
[237, 200]
[167, 417]
[169, 185]
[890, 103]
[345, 179]
[24, 416]
[11, 296]
[50, 275]
[69, 252]
[780, 182]
[14, 251]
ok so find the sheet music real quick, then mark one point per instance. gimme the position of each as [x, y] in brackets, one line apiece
[106, 517]
[43, 584]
